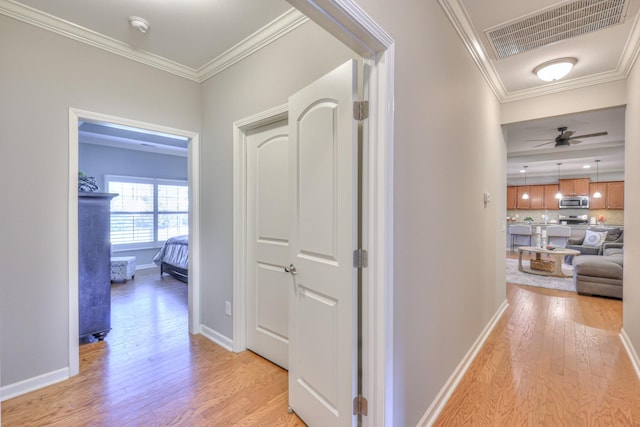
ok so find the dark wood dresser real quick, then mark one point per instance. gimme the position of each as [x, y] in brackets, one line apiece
[94, 252]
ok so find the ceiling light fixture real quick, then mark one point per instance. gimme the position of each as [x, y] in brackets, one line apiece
[139, 24]
[559, 194]
[525, 195]
[597, 194]
[556, 69]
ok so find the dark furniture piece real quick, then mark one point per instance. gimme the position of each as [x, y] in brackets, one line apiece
[94, 253]
[173, 258]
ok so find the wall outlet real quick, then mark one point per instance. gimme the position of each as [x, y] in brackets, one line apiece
[227, 308]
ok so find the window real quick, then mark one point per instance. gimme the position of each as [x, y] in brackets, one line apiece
[147, 211]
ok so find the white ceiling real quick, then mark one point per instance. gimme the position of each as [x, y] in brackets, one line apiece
[207, 27]
[542, 161]
[603, 55]
[194, 39]
[198, 38]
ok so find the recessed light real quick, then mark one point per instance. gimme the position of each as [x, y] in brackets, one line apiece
[139, 24]
[555, 69]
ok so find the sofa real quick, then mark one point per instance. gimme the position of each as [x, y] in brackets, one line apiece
[599, 275]
[614, 238]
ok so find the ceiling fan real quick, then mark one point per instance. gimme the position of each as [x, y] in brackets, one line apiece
[566, 139]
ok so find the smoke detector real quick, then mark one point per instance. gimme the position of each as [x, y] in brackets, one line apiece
[139, 24]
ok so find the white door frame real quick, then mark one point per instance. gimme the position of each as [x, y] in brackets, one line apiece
[75, 116]
[240, 130]
[346, 21]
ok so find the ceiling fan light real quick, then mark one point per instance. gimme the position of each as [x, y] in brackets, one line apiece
[558, 195]
[525, 196]
[554, 70]
[597, 195]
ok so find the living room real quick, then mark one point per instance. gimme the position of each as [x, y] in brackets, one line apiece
[565, 187]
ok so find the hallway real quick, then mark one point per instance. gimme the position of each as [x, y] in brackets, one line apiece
[554, 358]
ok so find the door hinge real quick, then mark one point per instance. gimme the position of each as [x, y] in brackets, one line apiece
[360, 258]
[361, 110]
[360, 405]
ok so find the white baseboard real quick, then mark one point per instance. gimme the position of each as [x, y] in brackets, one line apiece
[430, 417]
[631, 351]
[35, 383]
[216, 337]
[146, 266]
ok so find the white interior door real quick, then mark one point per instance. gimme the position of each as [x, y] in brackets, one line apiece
[323, 198]
[268, 286]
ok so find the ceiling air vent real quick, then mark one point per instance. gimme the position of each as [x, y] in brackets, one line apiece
[555, 24]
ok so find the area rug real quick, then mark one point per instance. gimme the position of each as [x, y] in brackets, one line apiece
[521, 278]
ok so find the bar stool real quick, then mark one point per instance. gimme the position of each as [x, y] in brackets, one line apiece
[519, 233]
[558, 235]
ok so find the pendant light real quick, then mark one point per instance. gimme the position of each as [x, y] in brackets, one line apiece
[559, 194]
[525, 195]
[597, 194]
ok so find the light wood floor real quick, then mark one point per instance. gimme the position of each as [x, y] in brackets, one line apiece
[554, 359]
[150, 372]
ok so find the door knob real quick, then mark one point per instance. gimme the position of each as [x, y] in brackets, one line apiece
[291, 269]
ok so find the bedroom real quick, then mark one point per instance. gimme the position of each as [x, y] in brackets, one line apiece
[137, 162]
[149, 172]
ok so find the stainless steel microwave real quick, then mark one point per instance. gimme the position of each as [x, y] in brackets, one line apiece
[574, 202]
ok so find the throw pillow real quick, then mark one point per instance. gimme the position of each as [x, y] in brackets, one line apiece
[594, 238]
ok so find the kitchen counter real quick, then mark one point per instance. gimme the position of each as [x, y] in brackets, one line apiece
[577, 230]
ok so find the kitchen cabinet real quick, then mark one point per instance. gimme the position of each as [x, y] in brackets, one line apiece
[615, 195]
[511, 198]
[520, 202]
[612, 195]
[536, 197]
[574, 187]
[550, 201]
[540, 197]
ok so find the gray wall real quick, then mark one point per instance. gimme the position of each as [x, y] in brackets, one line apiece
[41, 77]
[99, 160]
[449, 265]
[259, 82]
[631, 301]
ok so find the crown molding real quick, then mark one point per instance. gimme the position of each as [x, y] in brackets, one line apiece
[457, 14]
[551, 88]
[631, 48]
[75, 32]
[282, 25]
[285, 23]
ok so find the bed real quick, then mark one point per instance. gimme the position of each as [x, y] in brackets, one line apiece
[173, 258]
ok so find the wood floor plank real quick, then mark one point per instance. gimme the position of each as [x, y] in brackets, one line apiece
[554, 359]
[150, 372]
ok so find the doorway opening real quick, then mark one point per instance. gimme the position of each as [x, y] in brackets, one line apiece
[77, 118]
[567, 158]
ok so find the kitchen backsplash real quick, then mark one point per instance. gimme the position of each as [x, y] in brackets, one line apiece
[612, 216]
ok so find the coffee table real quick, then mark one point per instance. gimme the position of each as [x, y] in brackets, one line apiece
[557, 253]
